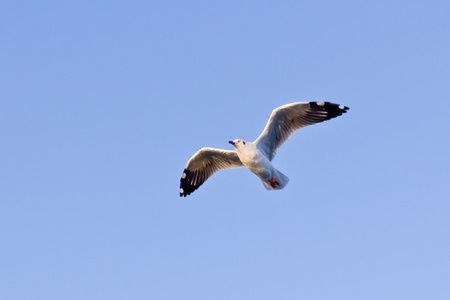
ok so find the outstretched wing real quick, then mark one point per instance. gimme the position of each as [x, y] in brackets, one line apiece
[203, 164]
[286, 119]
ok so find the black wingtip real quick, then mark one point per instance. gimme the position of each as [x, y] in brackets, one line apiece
[328, 105]
[186, 188]
[333, 110]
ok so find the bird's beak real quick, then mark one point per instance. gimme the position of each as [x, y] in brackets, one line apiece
[232, 143]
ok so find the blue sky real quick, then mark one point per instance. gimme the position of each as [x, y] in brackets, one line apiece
[104, 102]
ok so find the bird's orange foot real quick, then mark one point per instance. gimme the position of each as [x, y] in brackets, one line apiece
[273, 182]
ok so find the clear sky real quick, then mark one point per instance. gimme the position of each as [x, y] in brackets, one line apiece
[104, 102]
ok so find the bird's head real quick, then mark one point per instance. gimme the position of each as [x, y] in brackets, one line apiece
[238, 144]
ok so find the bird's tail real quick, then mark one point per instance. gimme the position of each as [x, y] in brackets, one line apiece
[278, 181]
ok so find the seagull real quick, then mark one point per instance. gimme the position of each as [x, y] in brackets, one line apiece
[257, 155]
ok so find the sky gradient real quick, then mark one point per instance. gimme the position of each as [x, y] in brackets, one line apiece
[103, 103]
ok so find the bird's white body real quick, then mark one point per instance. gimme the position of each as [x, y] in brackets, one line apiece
[255, 160]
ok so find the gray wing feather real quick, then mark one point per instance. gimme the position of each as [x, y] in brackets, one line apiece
[286, 119]
[205, 163]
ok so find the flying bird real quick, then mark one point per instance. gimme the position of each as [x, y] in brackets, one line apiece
[257, 155]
